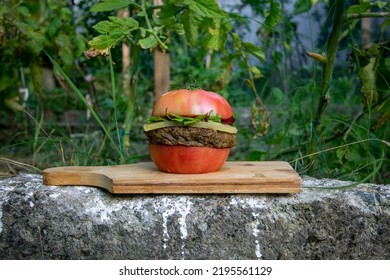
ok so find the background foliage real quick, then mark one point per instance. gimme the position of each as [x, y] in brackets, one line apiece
[68, 58]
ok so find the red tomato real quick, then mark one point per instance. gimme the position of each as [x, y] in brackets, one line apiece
[188, 160]
[191, 103]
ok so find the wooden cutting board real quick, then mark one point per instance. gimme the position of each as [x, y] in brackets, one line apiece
[145, 178]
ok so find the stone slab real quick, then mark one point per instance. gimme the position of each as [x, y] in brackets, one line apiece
[48, 222]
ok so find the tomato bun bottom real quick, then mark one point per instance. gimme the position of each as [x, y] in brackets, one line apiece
[188, 160]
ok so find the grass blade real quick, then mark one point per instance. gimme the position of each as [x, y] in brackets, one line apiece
[83, 100]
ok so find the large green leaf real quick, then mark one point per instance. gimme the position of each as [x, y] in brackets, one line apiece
[126, 22]
[167, 20]
[116, 24]
[104, 27]
[237, 41]
[149, 42]
[110, 5]
[112, 32]
[302, 6]
[178, 28]
[205, 8]
[169, 10]
[273, 16]
[359, 8]
[218, 34]
[191, 23]
[254, 50]
[103, 42]
[381, 4]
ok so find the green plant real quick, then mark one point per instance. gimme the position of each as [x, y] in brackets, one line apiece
[368, 72]
[314, 117]
[50, 24]
[25, 28]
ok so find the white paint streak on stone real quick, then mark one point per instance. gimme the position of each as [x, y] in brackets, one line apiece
[256, 233]
[54, 195]
[184, 211]
[258, 253]
[167, 208]
[248, 202]
[4, 189]
[102, 212]
[253, 203]
[165, 214]
[183, 225]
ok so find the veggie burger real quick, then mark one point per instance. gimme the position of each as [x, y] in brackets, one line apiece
[190, 131]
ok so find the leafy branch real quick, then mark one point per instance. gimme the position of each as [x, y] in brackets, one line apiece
[340, 16]
[258, 108]
[368, 15]
[327, 70]
[349, 17]
[154, 40]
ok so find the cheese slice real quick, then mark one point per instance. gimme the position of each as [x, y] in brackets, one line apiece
[211, 125]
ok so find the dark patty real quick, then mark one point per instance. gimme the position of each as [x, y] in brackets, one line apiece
[191, 136]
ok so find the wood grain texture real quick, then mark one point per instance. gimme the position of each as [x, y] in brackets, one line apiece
[145, 178]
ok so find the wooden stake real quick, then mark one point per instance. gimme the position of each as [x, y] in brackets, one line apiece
[124, 13]
[162, 75]
[162, 65]
[366, 32]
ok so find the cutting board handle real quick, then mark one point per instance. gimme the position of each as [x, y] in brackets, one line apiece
[77, 176]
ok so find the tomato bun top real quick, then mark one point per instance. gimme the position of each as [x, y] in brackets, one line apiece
[191, 103]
